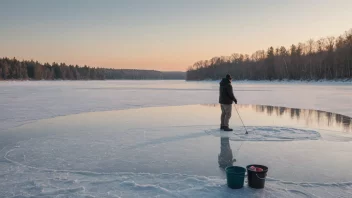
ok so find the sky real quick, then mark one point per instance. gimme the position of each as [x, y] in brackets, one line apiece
[166, 35]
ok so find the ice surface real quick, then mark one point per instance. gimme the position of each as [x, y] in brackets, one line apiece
[23, 102]
[170, 151]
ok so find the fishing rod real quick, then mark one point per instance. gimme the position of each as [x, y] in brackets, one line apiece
[241, 120]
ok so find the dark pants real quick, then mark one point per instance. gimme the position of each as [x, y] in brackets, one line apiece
[226, 110]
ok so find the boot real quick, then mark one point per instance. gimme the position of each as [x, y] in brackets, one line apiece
[227, 129]
[222, 127]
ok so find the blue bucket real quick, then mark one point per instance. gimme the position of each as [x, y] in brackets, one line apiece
[235, 176]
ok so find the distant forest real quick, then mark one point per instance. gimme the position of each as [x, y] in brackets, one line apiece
[327, 58]
[13, 69]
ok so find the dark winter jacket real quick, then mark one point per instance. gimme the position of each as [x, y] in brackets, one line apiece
[226, 92]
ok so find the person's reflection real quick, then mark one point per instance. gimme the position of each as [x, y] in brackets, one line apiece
[225, 156]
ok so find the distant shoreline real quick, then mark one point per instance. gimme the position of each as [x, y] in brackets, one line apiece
[33, 80]
[13, 69]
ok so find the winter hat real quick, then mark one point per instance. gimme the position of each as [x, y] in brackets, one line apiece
[228, 76]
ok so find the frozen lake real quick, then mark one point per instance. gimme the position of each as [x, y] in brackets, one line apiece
[161, 139]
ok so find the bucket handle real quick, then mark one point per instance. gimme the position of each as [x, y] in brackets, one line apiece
[260, 177]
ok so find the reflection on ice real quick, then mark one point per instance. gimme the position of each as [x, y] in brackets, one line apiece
[225, 157]
[309, 117]
[320, 117]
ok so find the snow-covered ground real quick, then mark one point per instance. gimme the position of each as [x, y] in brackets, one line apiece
[167, 151]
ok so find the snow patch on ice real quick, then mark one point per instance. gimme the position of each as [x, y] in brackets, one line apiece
[63, 184]
[21, 180]
[266, 133]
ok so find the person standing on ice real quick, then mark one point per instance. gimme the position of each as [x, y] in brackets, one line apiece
[226, 99]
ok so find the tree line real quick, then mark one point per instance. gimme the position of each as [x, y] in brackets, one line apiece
[13, 69]
[327, 58]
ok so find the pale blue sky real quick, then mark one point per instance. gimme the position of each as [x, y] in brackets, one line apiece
[160, 34]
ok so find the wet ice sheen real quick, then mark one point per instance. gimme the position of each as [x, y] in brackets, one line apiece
[106, 154]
